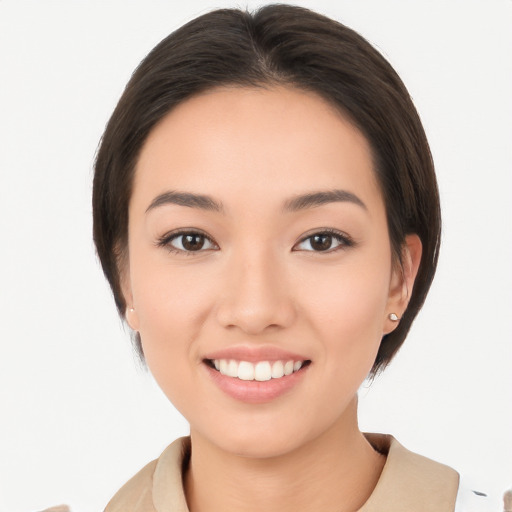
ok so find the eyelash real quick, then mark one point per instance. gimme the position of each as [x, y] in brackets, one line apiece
[343, 239]
[165, 241]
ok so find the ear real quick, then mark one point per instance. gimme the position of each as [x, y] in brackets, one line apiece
[130, 313]
[131, 317]
[402, 281]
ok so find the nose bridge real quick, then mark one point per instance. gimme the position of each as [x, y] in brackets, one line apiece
[256, 295]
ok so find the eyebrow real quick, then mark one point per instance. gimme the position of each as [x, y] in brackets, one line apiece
[296, 203]
[320, 198]
[188, 199]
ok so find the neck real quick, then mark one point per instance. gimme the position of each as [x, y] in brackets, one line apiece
[335, 472]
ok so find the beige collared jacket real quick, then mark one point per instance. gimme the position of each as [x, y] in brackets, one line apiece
[408, 483]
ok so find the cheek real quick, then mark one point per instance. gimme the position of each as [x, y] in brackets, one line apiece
[353, 297]
[172, 304]
[169, 295]
[346, 310]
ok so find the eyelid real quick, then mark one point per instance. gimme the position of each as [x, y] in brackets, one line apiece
[166, 239]
[345, 240]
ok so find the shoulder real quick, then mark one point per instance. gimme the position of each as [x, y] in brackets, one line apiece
[136, 494]
[410, 481]
[157, 486]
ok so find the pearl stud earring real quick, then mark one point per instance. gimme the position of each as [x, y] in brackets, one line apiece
[393, 317]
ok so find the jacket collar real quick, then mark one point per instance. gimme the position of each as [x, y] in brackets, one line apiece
[408, 481]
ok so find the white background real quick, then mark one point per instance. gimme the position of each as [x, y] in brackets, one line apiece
[77, 418]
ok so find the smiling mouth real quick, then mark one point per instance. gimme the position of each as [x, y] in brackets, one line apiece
[260, 371]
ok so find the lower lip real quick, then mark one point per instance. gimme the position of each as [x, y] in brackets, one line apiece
[253, 391]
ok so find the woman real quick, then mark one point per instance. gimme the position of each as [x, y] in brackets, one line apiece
[266, 213]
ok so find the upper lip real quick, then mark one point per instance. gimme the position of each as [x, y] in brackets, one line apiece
[253, 354]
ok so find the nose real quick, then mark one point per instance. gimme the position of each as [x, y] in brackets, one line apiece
[257, 296]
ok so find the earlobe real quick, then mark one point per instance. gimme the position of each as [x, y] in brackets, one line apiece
[130, 314]
[402, 281]
[132, 318]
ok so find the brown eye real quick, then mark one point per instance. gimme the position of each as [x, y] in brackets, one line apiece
[324, 241]
[321, 242]
[193, 242]
[187, 242]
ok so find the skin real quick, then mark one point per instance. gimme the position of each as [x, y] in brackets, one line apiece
[259, 282]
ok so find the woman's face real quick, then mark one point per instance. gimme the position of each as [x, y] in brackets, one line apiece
[258, 236]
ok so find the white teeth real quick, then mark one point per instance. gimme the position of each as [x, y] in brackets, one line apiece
[288, 368]
[245, 371]
[232, 369]
[260, 371]
[223, 366]
[277, 370]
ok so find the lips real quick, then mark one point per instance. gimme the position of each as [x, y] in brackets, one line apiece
[256, 374]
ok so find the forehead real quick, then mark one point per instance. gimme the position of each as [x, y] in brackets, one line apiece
[262, 141]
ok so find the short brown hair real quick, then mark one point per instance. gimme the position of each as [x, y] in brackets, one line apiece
[276, 45]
